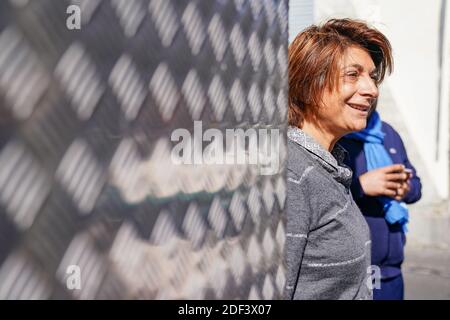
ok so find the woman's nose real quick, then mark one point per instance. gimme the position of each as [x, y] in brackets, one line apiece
[368, 87]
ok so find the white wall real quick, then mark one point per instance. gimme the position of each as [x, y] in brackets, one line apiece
[412, 26]
[414, 33]
[301, 15]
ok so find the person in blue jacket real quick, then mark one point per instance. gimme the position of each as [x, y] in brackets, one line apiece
[384, 181]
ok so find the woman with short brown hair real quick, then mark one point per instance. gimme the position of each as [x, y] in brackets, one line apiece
[334, 72]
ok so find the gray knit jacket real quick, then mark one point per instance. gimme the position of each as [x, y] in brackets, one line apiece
[327, 238]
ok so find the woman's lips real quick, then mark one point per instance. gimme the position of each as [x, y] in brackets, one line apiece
[360, 107]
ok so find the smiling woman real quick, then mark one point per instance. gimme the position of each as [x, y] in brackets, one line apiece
[334, 72]
[332, 68]
[347, 108]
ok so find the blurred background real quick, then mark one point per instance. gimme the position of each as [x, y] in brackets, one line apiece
[415, 100]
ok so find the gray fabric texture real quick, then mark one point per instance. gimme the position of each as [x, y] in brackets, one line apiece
[327, 238]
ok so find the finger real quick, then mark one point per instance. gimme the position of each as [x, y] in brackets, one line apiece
[409, 172]
[389, 192]
[398, 198]
[394, 168]
[392, 185]
[401, 192]
[396, 176]
[407, 187]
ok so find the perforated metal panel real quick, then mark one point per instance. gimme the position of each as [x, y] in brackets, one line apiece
[86, 174]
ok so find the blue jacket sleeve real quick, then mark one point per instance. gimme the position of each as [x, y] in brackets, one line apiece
[415, 193]
[356, 188]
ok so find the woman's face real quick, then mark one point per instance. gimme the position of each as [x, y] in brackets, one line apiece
[346, 110]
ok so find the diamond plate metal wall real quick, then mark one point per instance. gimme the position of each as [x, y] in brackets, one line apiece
[86, 177]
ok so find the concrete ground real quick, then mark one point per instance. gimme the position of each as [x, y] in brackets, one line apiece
[426, 272]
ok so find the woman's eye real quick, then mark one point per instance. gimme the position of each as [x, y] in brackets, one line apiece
[352, 75]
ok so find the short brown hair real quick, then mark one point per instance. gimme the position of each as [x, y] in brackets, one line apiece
[314, 58]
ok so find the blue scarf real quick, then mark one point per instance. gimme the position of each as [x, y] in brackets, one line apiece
[377, 157]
